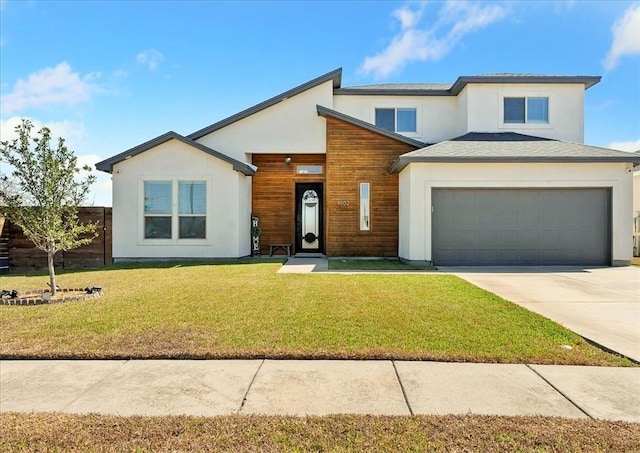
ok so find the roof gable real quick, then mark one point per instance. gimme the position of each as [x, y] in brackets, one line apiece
[107, 164]
[335, 76]
[506, 147]
[324, 111]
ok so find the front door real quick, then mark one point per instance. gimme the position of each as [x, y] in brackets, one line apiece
[309, 218]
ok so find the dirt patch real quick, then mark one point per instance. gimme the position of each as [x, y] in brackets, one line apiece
[43, 296]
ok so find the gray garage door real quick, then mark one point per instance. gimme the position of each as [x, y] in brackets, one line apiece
[521, 226]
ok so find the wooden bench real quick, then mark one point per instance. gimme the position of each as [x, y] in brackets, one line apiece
[285, 247]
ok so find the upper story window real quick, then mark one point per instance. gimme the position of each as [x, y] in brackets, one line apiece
[526, 110]
[397, 119]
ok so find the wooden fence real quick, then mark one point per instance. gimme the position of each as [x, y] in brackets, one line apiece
[24, 255]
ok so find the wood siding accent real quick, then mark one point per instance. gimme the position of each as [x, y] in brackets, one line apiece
[24, 255]
[356, 155]
[273, 195]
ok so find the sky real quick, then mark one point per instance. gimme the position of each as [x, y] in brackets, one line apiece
[110, 75]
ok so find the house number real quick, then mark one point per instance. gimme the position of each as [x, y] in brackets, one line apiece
[343, 203]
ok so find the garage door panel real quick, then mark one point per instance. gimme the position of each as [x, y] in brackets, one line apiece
[521, 226]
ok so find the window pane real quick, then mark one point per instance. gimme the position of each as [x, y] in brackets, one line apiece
[157, 227]
[309, 169]
[192, 196]
[385, 119]
[157, 197]
[365, 220]
[193, 227]
[514, 110]
[537, 110]
[406, 120]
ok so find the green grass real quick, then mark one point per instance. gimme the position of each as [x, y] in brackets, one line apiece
[375, 265]
[338, 433]
[248, 311]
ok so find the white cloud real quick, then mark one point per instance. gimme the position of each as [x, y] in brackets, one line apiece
[431, 41]
[50, 86]
[626, 37]
[625, 146]
[150, 58]
[72, 131]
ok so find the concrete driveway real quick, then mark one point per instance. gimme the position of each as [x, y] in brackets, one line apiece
[601, 304]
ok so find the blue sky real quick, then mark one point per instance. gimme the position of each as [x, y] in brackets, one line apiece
[109, 75]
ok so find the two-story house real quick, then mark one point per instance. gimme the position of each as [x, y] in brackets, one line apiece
[490, 169]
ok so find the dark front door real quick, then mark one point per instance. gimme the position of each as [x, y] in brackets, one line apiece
[309, 218]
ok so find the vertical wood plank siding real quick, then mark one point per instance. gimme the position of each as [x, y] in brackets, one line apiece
[273, 194]
[23, 254]
[356, 155]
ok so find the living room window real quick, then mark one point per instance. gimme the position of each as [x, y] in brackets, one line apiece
[520, 110]
[192, 209]
[396, 119]
[157, 209]
[162, 217]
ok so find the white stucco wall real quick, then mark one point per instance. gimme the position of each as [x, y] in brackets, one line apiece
[228, 204]
[437, 116]
[636, 192]
[566, 109]
[291, 126]
[479, 108]
[418, 179]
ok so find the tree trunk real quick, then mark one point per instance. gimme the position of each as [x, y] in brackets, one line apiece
[52, 273]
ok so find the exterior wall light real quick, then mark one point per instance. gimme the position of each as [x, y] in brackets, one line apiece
[287, 160]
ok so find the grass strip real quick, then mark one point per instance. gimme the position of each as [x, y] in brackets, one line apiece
[375, 265]
[338, 433]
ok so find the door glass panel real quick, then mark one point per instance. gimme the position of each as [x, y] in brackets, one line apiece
[310, 219]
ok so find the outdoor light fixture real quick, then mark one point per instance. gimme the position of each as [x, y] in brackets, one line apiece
[287, 160]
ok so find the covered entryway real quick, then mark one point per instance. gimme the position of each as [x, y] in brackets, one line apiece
[558, 226]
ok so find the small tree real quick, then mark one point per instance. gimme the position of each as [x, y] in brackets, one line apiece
[45, 193]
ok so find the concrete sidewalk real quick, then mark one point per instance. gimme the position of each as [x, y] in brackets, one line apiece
[304, 265]
[317, 387]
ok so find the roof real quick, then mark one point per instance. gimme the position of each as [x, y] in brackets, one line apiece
[324, 111]
[335, 76]
[107, 164]
[444, 89]
[477, 147]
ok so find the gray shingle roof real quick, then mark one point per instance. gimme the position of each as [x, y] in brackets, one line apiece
[107, 164]
[510, 147]
[448, 89]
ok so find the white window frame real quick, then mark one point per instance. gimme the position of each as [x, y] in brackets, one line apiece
[175, 212]
[396, 106]
[526, 95]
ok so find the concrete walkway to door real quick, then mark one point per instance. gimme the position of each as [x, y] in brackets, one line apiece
[600, 304]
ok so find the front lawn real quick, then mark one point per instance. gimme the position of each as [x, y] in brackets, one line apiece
[249, 311]
[344, 433]
[375, 265]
